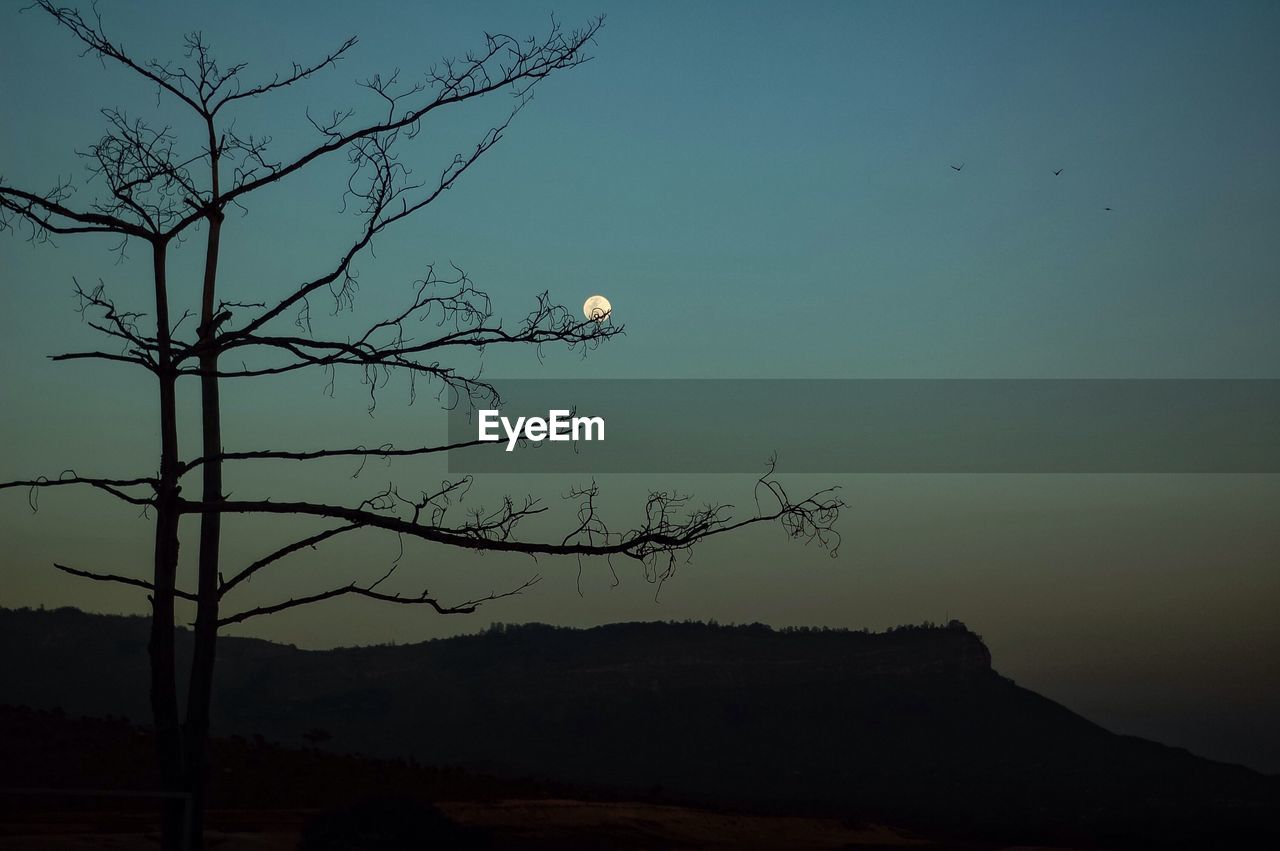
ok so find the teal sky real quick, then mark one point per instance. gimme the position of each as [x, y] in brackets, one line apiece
[762, 191]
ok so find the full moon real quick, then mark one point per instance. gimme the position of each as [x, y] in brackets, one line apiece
[597, 308]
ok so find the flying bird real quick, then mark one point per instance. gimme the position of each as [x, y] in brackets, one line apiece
[957, 167]
[1108, 209]
[1058, 172]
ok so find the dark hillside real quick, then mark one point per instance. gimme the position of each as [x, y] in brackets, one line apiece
[909, 727]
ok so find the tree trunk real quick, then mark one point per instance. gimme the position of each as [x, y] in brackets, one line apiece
[164, 687]
[200, 691]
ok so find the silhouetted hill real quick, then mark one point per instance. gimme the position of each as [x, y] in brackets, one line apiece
[909, 727]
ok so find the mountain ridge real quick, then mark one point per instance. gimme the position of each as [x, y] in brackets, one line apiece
[911, 726]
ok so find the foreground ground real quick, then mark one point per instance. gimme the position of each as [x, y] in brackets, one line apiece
[542, 825]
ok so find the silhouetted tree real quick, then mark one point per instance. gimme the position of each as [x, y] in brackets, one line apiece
[152, 192]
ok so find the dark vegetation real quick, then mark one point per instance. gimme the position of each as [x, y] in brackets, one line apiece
[48, 749]
[911, 727]
[387, 824]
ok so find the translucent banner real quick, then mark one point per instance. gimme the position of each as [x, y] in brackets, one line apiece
[872, 426]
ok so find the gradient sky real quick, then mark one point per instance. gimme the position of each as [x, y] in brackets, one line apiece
[762, 191]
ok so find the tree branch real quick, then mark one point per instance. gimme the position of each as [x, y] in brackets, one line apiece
[379, 197]
[289, 549]
[124, 580]
[96, 42]
[421, 600]
[69, 477]
[669, 527]
[107, 356]
[506, 62]
[386, 450]
[298, 74]
[387, 346]
[44, 212]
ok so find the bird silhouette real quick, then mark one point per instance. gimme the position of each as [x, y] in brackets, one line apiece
[1108, 209]
[1058, 172]
[957, 167]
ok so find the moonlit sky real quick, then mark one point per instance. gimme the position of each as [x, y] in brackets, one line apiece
[762, 191]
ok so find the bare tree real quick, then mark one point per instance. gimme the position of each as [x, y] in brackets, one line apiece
[149, 191]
